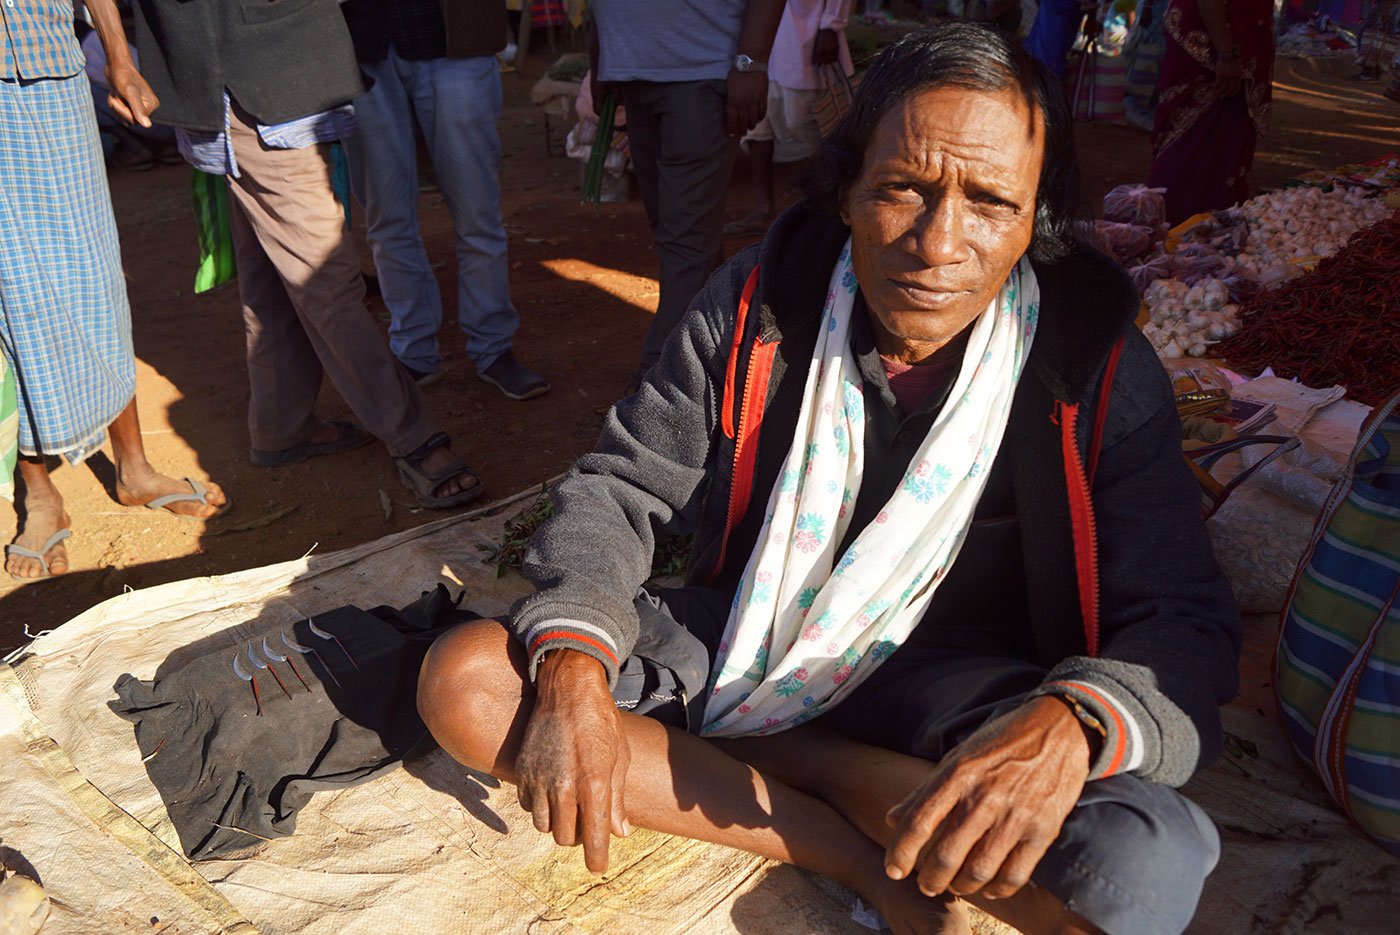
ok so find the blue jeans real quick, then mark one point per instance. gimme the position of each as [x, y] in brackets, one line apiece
[466, 151]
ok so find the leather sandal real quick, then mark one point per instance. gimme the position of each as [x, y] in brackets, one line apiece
[422, 482]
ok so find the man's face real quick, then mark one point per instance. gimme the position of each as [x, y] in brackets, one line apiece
[943, 209]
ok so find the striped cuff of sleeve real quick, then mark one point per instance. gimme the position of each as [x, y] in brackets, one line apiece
[1123, 749]
[581, 637]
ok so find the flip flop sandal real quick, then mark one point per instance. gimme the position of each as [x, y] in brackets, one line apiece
[199, 494]
[423, 483]
[39, 555]
[348, 436]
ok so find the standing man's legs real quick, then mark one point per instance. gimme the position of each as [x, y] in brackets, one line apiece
[286, 209]
[285, 200]
[683, 159]
[458, 102]
[284, 373]
[384, 176]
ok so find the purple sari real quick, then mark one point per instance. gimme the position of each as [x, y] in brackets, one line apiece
[1203, 144]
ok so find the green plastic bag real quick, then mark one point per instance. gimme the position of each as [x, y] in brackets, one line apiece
[216, 265]
[9, 429]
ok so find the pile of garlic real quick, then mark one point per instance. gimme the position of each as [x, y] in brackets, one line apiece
[1186, 320]
[1297, 223]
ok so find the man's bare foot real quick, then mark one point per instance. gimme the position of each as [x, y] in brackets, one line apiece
[755, 222]
[910, 912]
[44, 516]
[137, 486]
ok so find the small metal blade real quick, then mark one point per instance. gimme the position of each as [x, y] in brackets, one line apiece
[268, 652]
[238, 669]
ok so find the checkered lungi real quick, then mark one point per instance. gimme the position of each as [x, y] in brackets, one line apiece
[65, 326]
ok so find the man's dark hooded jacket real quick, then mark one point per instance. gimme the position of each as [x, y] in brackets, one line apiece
[1128, 610]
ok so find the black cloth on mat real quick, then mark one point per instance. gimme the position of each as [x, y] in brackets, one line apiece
[230, 777]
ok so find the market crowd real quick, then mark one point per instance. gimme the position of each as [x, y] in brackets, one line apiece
[951, 632]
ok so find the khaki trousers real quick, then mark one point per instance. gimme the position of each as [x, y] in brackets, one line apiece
[303, 303]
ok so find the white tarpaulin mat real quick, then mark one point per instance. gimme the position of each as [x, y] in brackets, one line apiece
[435, 848]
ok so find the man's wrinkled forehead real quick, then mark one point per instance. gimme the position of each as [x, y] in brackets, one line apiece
[997, 130]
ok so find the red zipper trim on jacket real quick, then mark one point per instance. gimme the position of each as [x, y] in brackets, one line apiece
[726, 415]
[1081, 517]
[750, 418]
[755, 397]
[1110, 369]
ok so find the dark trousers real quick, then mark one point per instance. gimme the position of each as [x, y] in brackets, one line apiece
[683, 160]
[1131, 857]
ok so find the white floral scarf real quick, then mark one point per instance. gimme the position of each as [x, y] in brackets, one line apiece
[806, 628]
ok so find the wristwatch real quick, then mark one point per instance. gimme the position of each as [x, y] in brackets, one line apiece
[746, 64]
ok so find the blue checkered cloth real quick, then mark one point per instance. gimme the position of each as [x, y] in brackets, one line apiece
[212, 152]
[37, 39]
[65, 326]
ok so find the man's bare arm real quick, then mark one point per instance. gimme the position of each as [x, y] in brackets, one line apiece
[746, 96]
[131, 97]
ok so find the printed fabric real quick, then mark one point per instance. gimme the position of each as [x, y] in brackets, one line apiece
[37, 40]
[65, 326]
[808, 626]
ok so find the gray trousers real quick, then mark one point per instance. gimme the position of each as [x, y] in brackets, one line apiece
[304, 304]
[683, 160]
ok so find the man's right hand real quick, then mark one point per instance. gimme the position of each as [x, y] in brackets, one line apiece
[826, 48]
[1229, 75]
[572, 767]
[131, 98]
[599, 90]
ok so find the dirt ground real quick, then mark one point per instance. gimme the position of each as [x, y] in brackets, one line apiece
[583, 279]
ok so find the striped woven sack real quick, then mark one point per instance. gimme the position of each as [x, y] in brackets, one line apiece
[834, 103]
[1337, 667]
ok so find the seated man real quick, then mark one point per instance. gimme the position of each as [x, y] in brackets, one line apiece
[952, 626]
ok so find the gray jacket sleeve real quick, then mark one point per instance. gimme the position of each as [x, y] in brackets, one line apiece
[646, 475]
[1169, 627]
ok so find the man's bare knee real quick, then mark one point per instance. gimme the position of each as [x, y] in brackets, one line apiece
[471, 690]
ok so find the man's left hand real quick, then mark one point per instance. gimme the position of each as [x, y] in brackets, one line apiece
[985, 817]
[130, 97]
[826, 49]
[745, 101]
